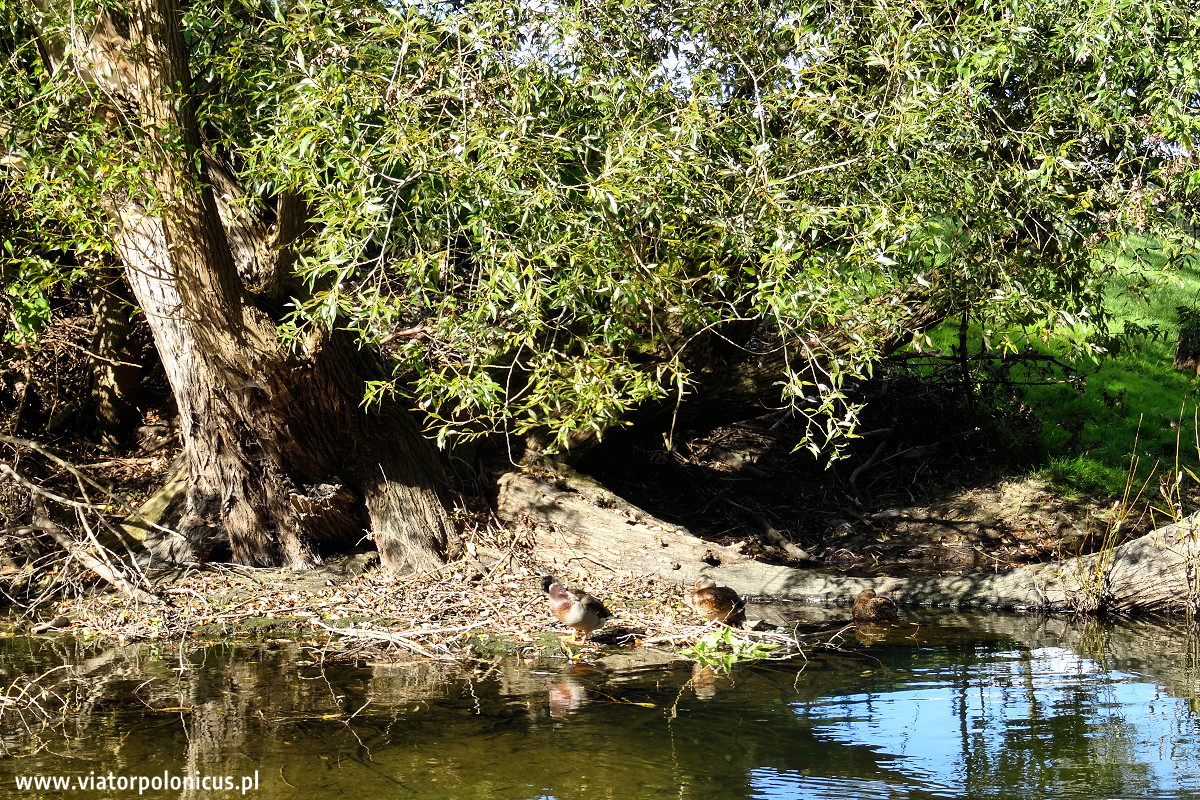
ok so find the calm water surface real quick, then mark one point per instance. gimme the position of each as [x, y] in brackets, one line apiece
[953, 707]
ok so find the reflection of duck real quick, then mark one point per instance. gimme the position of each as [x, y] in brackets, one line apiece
[575, 609]
[704, 682]
[871, 632]
[716, 602]
[871, 608]
[566, 696]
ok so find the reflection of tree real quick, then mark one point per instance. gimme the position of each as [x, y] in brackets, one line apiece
[220, 722]
[1015, 718]
[61, 685]
[1053, 737]
[1066, 730]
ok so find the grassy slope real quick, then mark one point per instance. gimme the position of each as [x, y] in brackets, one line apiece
[1132, 402]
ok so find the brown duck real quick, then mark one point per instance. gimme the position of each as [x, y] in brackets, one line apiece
[716, 602]
[577, 610]
[871, 608]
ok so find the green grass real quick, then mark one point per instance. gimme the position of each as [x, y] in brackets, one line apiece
[1133, 401]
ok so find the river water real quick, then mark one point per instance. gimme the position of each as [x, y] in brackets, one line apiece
[949, 706]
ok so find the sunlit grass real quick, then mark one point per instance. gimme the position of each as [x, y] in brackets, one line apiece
[1134, 397]
[1132, 402]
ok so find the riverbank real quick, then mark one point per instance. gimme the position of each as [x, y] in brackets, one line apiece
[351, 603]
[741, 488]
[490, 601]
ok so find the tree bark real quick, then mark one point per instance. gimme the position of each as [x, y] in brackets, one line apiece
[114, 376]
[574, 521]
[1187, 350]
[281, 457]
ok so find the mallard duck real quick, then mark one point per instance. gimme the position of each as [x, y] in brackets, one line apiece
[870, 608]
[716, 602]
[575, 609]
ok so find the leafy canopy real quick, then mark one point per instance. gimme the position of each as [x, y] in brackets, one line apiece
[544, 211]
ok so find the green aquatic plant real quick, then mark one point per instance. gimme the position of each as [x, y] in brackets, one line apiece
[722, 649]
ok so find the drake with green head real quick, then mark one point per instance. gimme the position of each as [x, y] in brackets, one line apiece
[575, 609]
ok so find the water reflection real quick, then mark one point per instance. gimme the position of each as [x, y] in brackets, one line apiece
[704, 682]
[570, 692]
[990, 707]
[1040, 723]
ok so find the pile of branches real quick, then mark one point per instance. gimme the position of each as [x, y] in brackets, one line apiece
[61, 525]
[63, 492]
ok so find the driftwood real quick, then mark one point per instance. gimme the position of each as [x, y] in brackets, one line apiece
[577, 523]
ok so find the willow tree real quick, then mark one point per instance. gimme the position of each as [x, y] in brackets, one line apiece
[346, 219]
[280, 452]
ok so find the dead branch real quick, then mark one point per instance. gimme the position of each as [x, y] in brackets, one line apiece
[400, 638]
[112, 497]
[79, 551]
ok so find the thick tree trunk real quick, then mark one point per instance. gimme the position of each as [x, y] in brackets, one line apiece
[280, 455]
[576, 522]
[401, 480]
[114, 376]
[277, 445]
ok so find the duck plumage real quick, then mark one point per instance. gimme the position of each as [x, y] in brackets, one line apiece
[721, 603]
[869, 607]
[574, 608]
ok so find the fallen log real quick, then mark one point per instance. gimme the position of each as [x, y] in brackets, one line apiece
[574, 522]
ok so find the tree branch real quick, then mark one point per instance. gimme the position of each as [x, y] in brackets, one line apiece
[79, 551]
